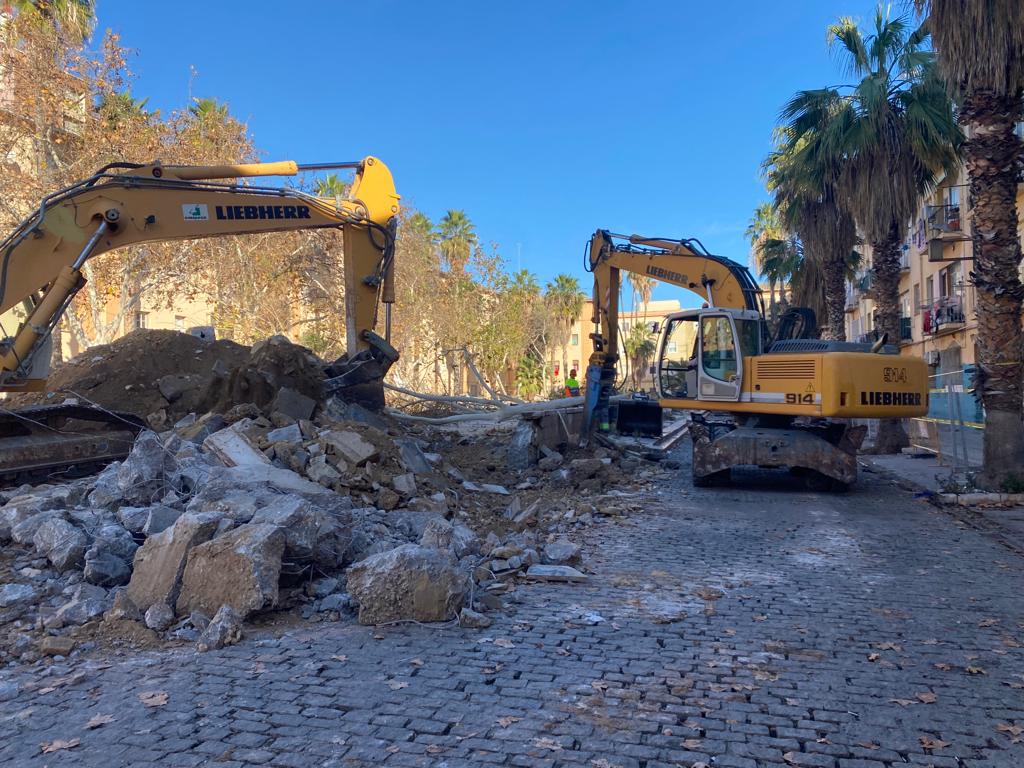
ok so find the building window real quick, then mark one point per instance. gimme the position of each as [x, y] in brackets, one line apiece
[179, 322]
[917, 298]
[141, 320]
[576, 364]
[575, 341]
[929, 290]
[671, 348]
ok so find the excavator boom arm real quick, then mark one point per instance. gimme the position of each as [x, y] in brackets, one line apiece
[41, 260]
[685, 263]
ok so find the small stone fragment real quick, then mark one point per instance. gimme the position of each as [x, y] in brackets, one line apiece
[224, 629]
[159, 617]
[561, 552]
[473, 620]
[56, 646]
[555, 573]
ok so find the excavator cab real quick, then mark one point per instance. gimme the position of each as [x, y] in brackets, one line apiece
[701, 353]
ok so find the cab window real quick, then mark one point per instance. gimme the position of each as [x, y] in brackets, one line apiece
[679, 356]
[750, 337]
[718, 348]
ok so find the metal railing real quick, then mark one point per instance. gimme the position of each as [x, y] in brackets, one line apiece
[944, 218]
[944, 313]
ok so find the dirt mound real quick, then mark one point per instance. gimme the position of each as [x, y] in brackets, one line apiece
[143, 373]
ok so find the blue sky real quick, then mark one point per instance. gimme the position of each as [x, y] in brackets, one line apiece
[542, 120]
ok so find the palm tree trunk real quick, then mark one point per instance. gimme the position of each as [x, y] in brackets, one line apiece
[835, 298]
[886, 278]
[991, 155]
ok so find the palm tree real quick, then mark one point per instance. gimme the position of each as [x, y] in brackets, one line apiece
[807, 202]
[457, 238]
[642, 287]
[75, 18]
[121, 107]
[765, 225]
[640, 348]
[331, 185]
[980, 49]
[887, 138]
[565, 302]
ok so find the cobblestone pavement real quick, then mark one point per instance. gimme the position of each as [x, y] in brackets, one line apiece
[855, 631]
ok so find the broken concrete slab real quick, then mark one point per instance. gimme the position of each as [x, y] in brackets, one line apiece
[292, 403]
[17, 594]
[25, 531]
[240, 568]
[123, 609]
[133, 518]
[105, 569]
[408, 583]
[233, 448]
[160, 518]
[404, 484]
[455, 538]
[338, 410]
[61, 543]
[201, 429]
[257, 480]
[412, 456]
[300, 522]
[319, 470]
[17, 511]
[555, 573]
[485, 488]
[521, 453]
[140, 478]
[288, 434]
[77, 612]
[351, 446]
[160, 561]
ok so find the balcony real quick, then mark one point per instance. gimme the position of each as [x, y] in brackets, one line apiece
[906, 332]
[905, 260]
[943, 316]
[944, 222]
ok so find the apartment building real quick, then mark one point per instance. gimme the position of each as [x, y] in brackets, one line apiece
[938, 304]
[576, 353]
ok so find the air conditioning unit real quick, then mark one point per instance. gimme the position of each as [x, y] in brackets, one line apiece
[931, 357]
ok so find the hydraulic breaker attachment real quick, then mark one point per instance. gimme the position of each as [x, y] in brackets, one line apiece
[360, 378]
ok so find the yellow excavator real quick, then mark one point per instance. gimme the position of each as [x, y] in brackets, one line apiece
[124, 204]
[755, 399]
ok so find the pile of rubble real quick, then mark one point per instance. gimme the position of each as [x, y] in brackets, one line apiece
[293, 503]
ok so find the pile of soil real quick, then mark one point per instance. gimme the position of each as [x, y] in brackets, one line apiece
[124, 374]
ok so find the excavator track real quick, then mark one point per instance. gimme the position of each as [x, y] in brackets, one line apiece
[69, 440]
